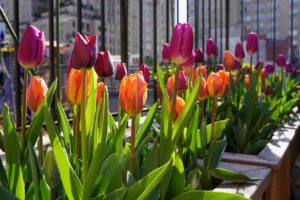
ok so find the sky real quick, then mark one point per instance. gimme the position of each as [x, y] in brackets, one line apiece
[182, 11]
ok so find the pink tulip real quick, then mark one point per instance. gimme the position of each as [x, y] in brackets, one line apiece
[211, 49]
[252, 43]
[166, 53]
[181, 44]
[239, 51]
[190, 62]
[281, 60]
[146, 73]
[31, 49]
[84, 51]
[199, 58]
[104, 65]
[182, 81]
[120, 71]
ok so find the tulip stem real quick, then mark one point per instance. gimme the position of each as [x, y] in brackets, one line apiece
[83, 127]
[180, 148]
[239, 91]
[40, 147]
[213, 116]
[202, 110]
[23, 117]
[174, 92]
[119, 114]
[76, 131]
[132, 150]
[251, 57]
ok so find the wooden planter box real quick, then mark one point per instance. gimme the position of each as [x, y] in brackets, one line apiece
[278, 155]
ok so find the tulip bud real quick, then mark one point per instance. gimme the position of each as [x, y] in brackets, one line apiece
[104, 65]
[281, 60]
[252, 43]
[51, 170]
[220, 67]
[228, 60]
[84, 51]
[239, 51]
[289, 68]
[199, 58]
[36, 93]
[31, 48]
[182, 83]
[211, 49]
[237, 65]
[269, 68]
[133, 93]
[268, 90]
[121, 71]
[100, 92]
[166, 53]
[181, 44]
[74, 85]
[259, 64]
[180, 103]
[247, 80]
[203, 93]
[146, 73]
[216, 83]
[190, 62]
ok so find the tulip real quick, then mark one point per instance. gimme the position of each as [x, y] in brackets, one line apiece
[199, 58]
[181, 44]
[133, 93]
[203, 93]
[269, 68]
[180, 103]
[31, 48]
[268, 90]
[228, 60]
[259, 64]
[220, 67]
[74, 86]
[36, 93]
[234, 78]
[247, 80]
[182, 83]
[190, 62]
[100, 92]
[120, 71]
[289, 68]
[216, 83]
[252, 43]
[237, 65]
[281, 60]
[263, 76]
[104, 65]
[166, 53]
[84, 51]
[202, 70]
[146, 73]
[248, 70]
[211, 49]
[239, 51]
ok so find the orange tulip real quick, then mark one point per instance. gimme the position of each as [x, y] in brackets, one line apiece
[216, 83]
[202, 70]
[247, 80]
[133, 93]
[74, 85]
[203, 93]
[234, 78]
[36, 93]
[180, 103]
[228, 60]
[263, 76]
[100, 91]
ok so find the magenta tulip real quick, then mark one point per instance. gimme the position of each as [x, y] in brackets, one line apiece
[31, 49]
[211, 49]
[237, 65]
[239, 51]
[120, 71]
[220, 67]
[259, 64]
[281, 60]
[146, 73]
[289, 68]
[182, 81]
[268, 90]
[84, 51]
[269, 68]
[190, 62]
[199, 58]
[104, 65]
[166, 53]
[252, 43]
[181, 44]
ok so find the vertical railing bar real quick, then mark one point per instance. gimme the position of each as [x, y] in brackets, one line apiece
[257, 23]
[292, 29]
[203, 27]
[196, 23]
[58, 71]
[187, 11]
[177, 11]
[167, 20]
[103, 25]
[242, 21]
[227, 24]
[172, 13]
[124, 31]
[79, 16]
[221, 30]
[155, 42]
[51, 46]
[141, 30]
[216, 21]
[209, 18]
[274, 33]
[17, 81]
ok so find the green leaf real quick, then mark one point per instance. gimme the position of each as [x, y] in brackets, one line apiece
[117, 194]
[183, 119]
[91, 101]
[215, 152]
[5, 194]
[68, 176]
[152, 160]
[3, 177]
[144, 187]
[229, 175]
[12, 152]
[208, 195]
[192, 131]
[219, 126]
[255, 146]
[160, 79]
[67, 131]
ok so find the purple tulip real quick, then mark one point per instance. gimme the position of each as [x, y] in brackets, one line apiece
[239, 51]
[259, 64]
[120, 71]
[146, 73]
[220, 67]
[181, 44]
[269, 68]
[190, 62]
[32, 47]
[84, 51]
[211, 49]
[252, 43]
[268, 90]
[166, 53]
[281, 60]
[182, 81]
[199, 58]
[104, 65]
[289, 68]
[237, 65]
[248, 70]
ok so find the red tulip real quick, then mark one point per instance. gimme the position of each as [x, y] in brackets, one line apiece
[211, 49]
[247, 80]
[84, 51]
[104, 65]
[239, 51]
[146, 73]
[166, 53]
[190, 62]
[181, 44]
[199, 58]
[281, 60]
[252, 43]
[31, 48]
[36, 93]
[121, 71]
